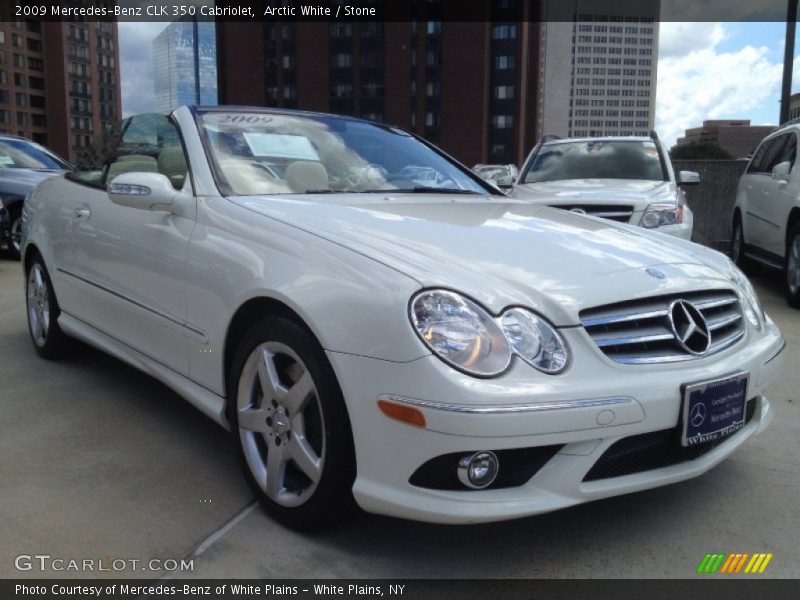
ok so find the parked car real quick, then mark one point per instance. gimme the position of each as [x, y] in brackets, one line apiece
[626, 179]
[443, 354]
[503, 176]
[23, 164]
[766, 215]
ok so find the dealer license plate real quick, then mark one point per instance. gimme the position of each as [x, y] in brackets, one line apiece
[713, 409]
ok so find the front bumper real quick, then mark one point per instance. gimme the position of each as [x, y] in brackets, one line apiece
[533, 410]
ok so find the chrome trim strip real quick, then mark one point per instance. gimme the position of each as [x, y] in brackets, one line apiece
[714, 324]
[715, 303]
[725, 342]
[497, 409]
[652, 360]
[609, 215]
[774, 356]
[624, 317]
[196, 332]
[622, 341]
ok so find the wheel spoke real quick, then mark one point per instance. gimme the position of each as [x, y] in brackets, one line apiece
[38, 328]
[268, 376]
[305, 458]
[276, 469]
[297, 396]
[37, 278]
[253, 419]
[796, 249]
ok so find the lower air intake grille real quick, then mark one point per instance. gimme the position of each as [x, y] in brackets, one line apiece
[641, 331]
[654, 450]
[517, 466]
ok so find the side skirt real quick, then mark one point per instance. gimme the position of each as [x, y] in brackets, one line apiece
[206, 401]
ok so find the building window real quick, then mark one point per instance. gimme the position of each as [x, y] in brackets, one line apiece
[342, 60]
[504, 32]
[504, 92]
[504, 63]
[502, 121]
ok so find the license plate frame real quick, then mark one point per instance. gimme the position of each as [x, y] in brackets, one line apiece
[718, 397]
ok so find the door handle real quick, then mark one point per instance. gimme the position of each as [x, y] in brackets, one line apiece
[83, 212]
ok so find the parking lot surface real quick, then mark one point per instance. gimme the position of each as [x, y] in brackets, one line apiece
[98, 461]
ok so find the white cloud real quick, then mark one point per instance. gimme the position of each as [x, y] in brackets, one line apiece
[136, 68]
[696, 81]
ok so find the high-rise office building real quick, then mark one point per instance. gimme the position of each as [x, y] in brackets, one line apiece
[185, 65]
[597, 70]
[59, 81]
[736, 136]
[469, 87]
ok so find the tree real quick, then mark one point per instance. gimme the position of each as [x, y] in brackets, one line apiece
[699, 151]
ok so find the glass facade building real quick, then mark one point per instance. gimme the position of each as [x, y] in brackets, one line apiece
[185, 65]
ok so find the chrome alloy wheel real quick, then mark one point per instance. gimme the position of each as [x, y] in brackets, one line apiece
[793, 266]
[16, 235]
[38, 298]
[281, 424]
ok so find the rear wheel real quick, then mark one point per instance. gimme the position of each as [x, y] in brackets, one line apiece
[43, 311]
[291, 426]
[792, 267]
[15, 239]
[738, 247]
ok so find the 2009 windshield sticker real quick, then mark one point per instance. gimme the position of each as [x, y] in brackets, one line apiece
[242, 119]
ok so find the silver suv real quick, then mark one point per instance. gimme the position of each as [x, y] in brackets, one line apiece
[766, 215]
[626, 179]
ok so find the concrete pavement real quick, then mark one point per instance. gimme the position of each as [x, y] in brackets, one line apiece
[100, 461]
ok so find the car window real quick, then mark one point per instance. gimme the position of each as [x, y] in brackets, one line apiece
[789, 152]
[602, 159]
[145, 143]
[768, 155]
[270, 153]
[22, 154]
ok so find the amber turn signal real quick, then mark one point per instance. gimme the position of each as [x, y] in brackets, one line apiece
[401, 412]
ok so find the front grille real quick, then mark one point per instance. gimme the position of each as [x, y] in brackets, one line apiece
[517, 466]
[639, 331]
[615, 212]
[654, 450]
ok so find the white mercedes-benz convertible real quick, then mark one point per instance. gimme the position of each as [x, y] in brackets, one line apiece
[378, 326]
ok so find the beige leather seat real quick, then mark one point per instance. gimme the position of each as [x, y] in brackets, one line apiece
[127, 157]
[172, 163]
[305, 175]
[145, 164]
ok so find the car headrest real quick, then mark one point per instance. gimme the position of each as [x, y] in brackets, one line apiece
[304, 175]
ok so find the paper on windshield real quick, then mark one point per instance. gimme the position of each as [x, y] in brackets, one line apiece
[296, 147]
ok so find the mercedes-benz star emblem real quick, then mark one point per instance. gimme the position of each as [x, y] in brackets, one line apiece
[689, 327]
[698, 415]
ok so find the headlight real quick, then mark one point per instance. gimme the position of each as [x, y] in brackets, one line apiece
[466, 336]
[658, 215]
[752, 305]
[534, 340]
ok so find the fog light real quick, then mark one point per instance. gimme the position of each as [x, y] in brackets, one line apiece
[478, 470]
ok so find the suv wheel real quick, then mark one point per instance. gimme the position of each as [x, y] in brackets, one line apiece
[792, 267]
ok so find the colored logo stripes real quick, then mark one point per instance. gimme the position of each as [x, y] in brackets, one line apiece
[737, 562]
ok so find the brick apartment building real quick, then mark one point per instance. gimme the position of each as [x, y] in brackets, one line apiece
[469, 87]
[59, 81]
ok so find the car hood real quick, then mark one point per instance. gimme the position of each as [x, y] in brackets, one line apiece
[26, 177]
[631, 192]
[504, 252]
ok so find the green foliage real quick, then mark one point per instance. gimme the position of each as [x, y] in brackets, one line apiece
[699, 151]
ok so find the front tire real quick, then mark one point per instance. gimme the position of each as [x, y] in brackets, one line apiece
[791, 269]
[49, 340]
[291, 426]
[738, 247]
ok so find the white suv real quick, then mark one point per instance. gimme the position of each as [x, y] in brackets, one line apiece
[766, 216]
[626, 179]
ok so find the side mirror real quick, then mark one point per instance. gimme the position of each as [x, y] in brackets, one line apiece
[146, 191]
[688, 178]
[505, 183]
[780, 172]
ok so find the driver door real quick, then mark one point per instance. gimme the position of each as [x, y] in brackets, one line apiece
[128, 263]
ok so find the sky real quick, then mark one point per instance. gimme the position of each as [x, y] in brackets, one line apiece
[705, 71]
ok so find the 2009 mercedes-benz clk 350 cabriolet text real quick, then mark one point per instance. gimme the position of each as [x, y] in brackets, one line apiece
[376, 324]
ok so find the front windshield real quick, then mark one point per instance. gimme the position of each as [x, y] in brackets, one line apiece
[596, 160]
[22, 154]
[263, 153]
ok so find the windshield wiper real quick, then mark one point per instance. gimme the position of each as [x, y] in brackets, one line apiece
[421, 190]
